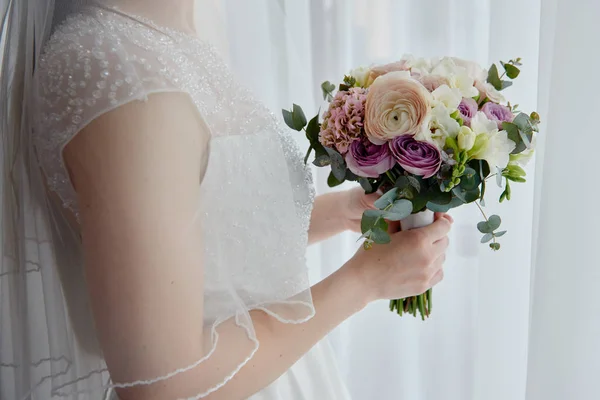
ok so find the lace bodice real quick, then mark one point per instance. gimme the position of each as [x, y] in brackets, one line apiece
[100, 59]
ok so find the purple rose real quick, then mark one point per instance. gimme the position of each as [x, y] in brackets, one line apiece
[467, 109]
[417, 157]
[369, 160]
[497, 113]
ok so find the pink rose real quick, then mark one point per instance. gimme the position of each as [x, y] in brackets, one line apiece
[396, 105]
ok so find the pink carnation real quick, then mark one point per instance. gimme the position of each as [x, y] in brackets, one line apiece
[343, 121]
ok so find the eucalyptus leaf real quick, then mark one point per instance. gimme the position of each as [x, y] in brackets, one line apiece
[327, 88]
[414, 182]
[459, 194]
[402, 182]
[338, 165]
[387, 199]
[500, 234]
[366, 185]
[493, 78]
[322, 160]
[487, 237]
[288, 119]
[438, 207]
[484, 227]
[439, 197]
[380, 236]
[332, 181]
[369, 219]
[494, 222]
[506, 84]
[472, 195]
[298, 118]
[511, 71]
[351, 176]
[400, 209]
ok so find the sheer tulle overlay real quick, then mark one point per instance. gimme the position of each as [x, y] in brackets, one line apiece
[254, 203]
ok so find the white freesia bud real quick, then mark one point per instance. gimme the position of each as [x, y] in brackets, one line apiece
[361, 74]
[466, 138]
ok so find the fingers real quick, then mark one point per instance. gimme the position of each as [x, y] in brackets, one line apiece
[437, 278]
[441, 245]
[438, 229]
[439, 215]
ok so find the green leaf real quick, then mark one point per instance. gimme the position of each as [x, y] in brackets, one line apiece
[414, 182]
[493, 77]
[350, 176]
[500, 234]
[484, 227]
[380, 236]
[401, 209]
[444, 207]
[387, 199]
[472, 195]
[287, 117]
[327, 88]
[495, 246]
[338, 165]
[499, 176]
[366, 185]
[439, 197]
[494, 222]
[369, 219]
[505, 84]
[402, 182]
[516, 179]
[322, 160]
[511, 71]
[298, 117]
[313, 129]
[332, 181]
[487, 237]
[469, 180]
[523, 122]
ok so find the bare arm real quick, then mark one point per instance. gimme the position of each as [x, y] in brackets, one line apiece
[137, 184]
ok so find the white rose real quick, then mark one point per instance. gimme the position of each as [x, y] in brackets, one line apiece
[449, 97]
[361, 74]
[466, 138]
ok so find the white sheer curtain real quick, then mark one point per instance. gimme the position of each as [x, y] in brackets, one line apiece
[564, 350]
[476, 344]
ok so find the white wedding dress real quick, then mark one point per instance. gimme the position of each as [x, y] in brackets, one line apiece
[101, 59]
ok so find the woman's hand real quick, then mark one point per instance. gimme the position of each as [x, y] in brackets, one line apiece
[408, 266]
[353, 205]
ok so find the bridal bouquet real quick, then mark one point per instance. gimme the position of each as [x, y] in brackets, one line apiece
[426, 133]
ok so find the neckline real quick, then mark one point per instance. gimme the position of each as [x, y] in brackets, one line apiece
[168, 31]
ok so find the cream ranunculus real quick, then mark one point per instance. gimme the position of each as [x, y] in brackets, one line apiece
[396, 105]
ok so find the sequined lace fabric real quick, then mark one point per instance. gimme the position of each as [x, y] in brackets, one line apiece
[256, 194]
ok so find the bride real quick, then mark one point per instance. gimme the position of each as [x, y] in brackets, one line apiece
[156, 216]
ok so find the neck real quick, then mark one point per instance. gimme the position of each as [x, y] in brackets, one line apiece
[177, 14]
